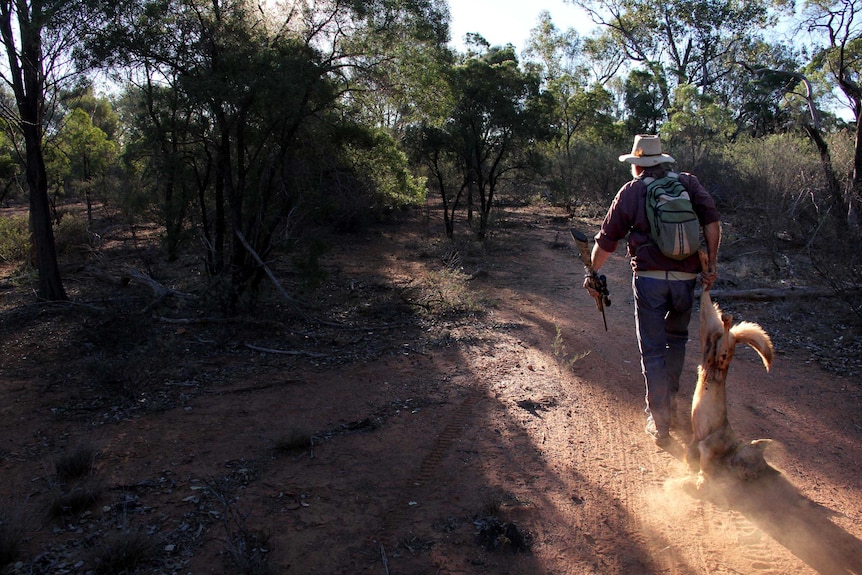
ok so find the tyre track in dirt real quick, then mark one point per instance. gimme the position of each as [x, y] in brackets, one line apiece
[417, 483]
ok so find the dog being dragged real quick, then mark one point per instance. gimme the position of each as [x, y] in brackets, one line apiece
[714, 443]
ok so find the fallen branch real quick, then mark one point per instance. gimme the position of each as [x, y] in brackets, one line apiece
[251, 388]
[159, 291]
[284, 352]
[384, 559]
[769, 294]
[192, 320]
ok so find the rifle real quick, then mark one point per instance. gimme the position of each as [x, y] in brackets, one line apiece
[599, 282]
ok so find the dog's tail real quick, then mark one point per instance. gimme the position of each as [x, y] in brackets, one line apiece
[752, 334]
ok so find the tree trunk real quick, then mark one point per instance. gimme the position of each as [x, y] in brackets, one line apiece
[28, 85]
[836, 194]
[855, 191]
[50, 285]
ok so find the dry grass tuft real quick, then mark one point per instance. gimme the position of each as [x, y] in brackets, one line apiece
[76, 464]
[11, 530]
[295, 441]
[123, 552]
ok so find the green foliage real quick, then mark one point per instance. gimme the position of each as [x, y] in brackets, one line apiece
[695, 126]
[9, 166]
[408, 84]
[644, 103]
[564, 358]
[764, 102]
[378, 159]
[680, 42]
[587, 177]
[14, 239]
[557, 54]
[447, 292]
[100, 110]
[838, 46]
[87, 147]
[495, 115]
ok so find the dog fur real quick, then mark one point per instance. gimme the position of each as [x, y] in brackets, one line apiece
[713, 441]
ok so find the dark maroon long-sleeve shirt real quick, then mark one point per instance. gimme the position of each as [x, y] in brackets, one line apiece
[627, 216]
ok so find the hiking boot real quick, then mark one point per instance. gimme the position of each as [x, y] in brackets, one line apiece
[660, 436]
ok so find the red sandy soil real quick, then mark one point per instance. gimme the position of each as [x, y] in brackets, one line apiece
[433, 427]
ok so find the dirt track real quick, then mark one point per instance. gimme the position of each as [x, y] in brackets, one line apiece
[529, 417]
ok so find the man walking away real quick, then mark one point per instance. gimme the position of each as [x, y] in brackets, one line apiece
[656, 210]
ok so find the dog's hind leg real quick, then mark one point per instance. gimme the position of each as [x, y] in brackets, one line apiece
[715, 447]
[692, 455]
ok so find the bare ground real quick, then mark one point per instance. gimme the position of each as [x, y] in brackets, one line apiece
[454, 412]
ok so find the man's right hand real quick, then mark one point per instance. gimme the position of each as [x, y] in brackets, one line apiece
[591, 287]
[708, 277]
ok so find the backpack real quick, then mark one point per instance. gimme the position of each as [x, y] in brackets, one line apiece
[674, 226]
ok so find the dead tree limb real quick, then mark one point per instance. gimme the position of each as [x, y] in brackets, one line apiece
[160, 292]
[770, 294]
[295, 303]
[284, 352]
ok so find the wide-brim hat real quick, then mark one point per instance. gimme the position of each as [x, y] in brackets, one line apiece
[646, 152]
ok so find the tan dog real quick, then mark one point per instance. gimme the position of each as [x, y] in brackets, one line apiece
[713, 441]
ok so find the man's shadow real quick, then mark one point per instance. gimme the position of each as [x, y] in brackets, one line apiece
[777, 507]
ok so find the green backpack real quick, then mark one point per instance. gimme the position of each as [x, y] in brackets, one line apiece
[674, 226]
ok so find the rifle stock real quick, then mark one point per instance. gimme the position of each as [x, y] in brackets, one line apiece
[600, 282]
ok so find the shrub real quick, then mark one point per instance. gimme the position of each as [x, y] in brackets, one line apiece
[586, 178]
[377, 159]
[71, 235]
[14, 239]
[775, 190]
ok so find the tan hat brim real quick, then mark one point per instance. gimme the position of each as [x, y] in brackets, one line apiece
[647, 161]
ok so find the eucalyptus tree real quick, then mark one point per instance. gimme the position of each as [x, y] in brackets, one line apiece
[836, 30]
[557, 57]
[695, 122]
[681, 41]
[644, 102]
[496, 115]
[38, 37]
[758, 101]
[396, 68]
[88, 153]
[574, 72]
